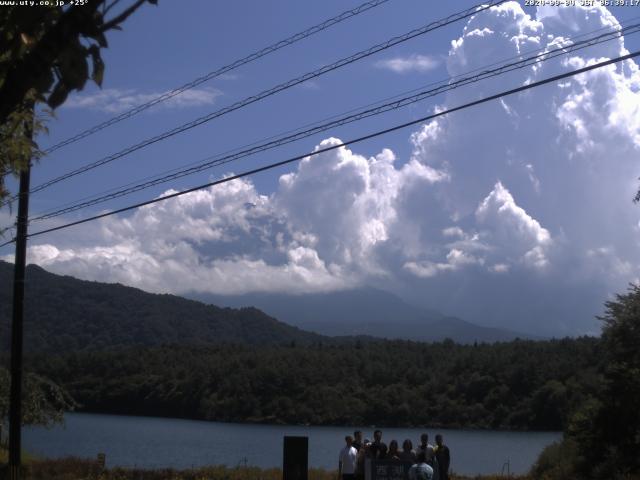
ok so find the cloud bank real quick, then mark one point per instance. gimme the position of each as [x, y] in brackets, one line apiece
[515, 213]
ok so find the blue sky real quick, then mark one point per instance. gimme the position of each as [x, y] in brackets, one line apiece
[164, 47]
[516, 214]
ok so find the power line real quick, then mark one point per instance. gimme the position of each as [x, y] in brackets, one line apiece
[220, 71]
[544, 56]
[617, 30]
[272, 91]
[344, 144]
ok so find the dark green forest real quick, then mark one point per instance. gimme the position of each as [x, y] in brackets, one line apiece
[531, 385]
[67, 314]
[117, 349]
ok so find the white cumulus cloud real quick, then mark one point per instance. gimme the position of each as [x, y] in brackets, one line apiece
[514, 213]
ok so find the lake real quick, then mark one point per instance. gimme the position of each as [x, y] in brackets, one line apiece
[150, 442]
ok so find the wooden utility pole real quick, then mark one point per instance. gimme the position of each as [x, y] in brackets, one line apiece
[15, 399]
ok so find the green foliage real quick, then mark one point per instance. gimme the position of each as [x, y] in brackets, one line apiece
[17, 148]
[609, 423]
[43, 402]
[555, 461]
[46, 53]
[393, 383]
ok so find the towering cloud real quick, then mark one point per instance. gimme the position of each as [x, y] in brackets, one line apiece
[517, 212]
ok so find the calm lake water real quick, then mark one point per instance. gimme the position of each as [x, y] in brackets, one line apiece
[159, 442]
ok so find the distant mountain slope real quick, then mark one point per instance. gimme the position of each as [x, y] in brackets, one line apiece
[365, 311]
[341, 313]
[66, 314]
[466, 332]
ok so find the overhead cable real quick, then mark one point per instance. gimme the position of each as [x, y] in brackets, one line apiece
[210, 162]
[272, 91]
[220, 71]
[378, 133]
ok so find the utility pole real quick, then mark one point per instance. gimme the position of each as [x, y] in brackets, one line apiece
[15, 399]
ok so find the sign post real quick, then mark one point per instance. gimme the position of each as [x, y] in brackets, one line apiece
[295, 464]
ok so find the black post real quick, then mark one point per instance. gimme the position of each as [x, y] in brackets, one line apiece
[15, 406]
[295, 463]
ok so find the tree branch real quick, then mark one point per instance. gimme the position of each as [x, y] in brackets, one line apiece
[37, 63]
[114, 22]
[24, 74]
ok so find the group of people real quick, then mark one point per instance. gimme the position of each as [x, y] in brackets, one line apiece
[428, 462]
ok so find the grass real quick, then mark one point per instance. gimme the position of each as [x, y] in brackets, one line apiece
[72, 468]
[4, 456]
[82, 469]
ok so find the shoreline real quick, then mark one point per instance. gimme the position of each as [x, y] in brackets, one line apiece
[312, 425]
[160, 443]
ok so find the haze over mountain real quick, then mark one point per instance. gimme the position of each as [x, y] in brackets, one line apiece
[364, 311]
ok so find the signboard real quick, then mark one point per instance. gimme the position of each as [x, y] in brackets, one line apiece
[387, 470]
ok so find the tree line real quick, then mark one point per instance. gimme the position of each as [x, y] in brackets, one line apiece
[531, 385]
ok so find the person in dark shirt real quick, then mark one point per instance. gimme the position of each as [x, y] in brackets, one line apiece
[378, 447]
[363, 454]
[357, 440]
[393, 453]
[408, 454]
[444, 458]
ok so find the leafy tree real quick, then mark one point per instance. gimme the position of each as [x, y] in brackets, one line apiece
[549, 405]
[45, 52]
[555, 461]
[610, 423]
[44, 402]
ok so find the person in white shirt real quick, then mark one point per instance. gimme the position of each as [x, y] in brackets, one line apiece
[429, 453]
[347, 460]
[425, 446]
[421, 470]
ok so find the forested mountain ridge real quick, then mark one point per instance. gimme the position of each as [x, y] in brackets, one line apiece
[533, 385]
[131, 352]
[63, 313]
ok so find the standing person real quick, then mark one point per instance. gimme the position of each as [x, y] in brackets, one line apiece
[378, 447]
[408, 454]
[357, 440]
[444, 458]
[347, 460]
[429, 453]
[363, 455]
[421, 470]
[425, 446]
[393, 453]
